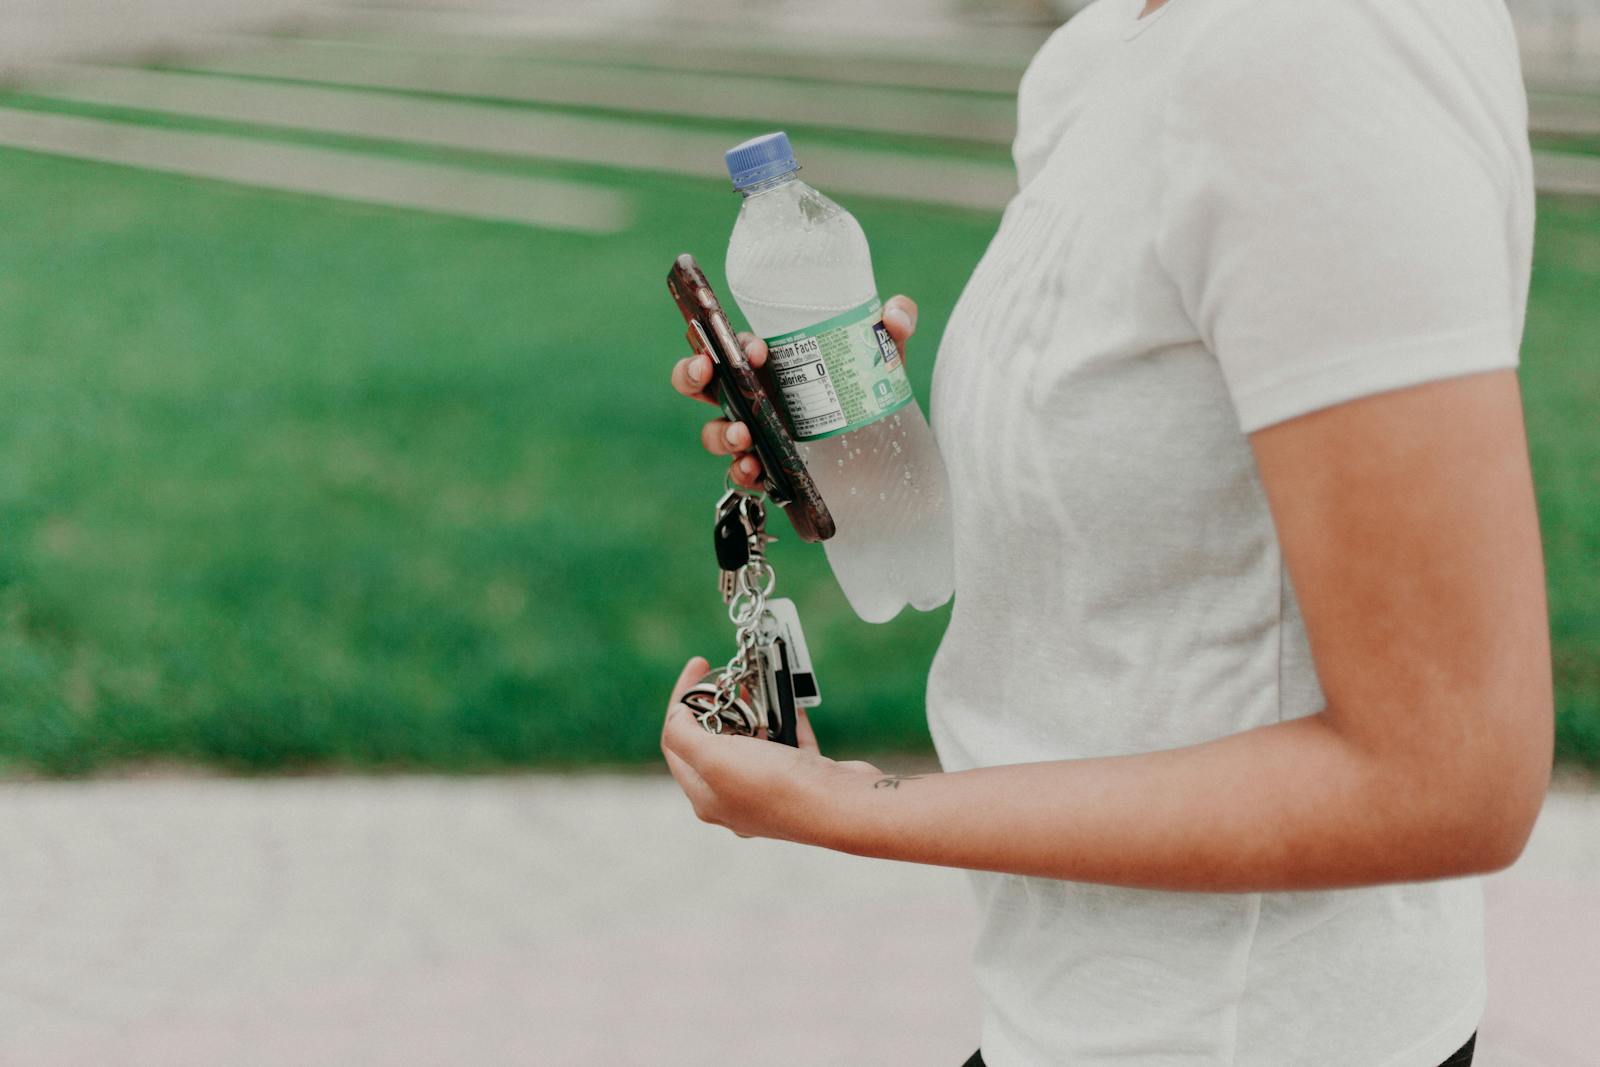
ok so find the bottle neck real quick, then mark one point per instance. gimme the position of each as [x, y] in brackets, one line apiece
[767, 185]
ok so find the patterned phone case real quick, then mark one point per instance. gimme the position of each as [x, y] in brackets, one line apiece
[745, 399]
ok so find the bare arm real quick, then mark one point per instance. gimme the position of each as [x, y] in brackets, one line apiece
[1408, 524]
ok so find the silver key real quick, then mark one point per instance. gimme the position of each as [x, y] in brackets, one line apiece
[763, 698]
[779, 705]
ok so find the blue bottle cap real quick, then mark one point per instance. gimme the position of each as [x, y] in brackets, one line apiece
[759, 159]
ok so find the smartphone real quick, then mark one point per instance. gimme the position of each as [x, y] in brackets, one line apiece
[745, 399]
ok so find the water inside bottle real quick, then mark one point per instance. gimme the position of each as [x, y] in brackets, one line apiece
[796, 259]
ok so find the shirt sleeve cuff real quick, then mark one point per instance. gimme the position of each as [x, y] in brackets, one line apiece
[1379, 369]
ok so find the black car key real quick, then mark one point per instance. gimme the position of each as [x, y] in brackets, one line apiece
[731, 541]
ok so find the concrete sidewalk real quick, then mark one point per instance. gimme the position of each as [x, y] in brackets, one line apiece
[558, 920]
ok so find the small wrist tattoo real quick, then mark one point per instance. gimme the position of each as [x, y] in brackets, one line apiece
[893, 781]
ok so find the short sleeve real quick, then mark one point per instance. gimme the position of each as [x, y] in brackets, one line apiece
[1337, 211]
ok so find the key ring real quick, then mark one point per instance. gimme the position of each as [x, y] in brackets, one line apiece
[742, 605]
[757, 570]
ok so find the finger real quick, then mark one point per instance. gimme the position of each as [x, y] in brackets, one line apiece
[723, 438]
[746, 471]
[900, 318]
[755, 349]
[690, 377]
[683, 736]
[710, 755]
[692, 672]
[694, 787]
[803, 732]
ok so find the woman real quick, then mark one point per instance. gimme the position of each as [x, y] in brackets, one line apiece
[1248, 670]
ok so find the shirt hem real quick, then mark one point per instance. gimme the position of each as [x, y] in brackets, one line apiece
[1447, 1040]
[1431, 1051]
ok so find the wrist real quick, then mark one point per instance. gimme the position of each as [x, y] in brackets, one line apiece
[838, 815]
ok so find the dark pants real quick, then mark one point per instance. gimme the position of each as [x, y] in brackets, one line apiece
[1462, 1058]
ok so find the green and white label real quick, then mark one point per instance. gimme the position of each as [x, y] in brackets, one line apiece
[839, 375]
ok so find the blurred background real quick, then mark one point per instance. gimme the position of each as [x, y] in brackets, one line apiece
[336, 438]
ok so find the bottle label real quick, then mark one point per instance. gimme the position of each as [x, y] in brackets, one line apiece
[840, 374]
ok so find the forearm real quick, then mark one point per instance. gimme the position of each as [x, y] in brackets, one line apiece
[1289, 806]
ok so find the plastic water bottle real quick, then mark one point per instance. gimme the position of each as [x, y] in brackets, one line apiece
[800, 270]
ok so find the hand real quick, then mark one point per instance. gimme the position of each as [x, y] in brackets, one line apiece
[723, 438]
[756, 788]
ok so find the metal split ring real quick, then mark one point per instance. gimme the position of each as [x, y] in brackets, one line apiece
[758, 570]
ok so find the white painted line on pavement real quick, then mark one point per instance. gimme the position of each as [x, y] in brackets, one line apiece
[1567, 173]
[1564, 115]
[918, 112]
[665, 49]
[524, 132]
[970, 49]
[343, 175]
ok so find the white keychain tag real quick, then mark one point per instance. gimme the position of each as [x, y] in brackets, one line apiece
[787, 617]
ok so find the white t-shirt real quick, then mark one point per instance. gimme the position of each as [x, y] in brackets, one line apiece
[1231, 213]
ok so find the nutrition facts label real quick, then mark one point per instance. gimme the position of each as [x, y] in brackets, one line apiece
[808, 392]
[839, 374]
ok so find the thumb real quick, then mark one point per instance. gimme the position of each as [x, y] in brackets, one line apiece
[692, 672]
[900, 319]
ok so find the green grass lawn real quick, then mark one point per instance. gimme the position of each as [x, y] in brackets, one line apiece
[289, 482]
[293, 482]
[1561, 383]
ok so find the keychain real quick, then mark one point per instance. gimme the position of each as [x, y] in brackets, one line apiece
[770, 674]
